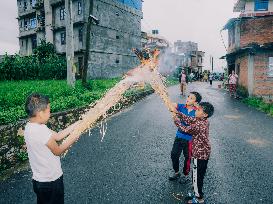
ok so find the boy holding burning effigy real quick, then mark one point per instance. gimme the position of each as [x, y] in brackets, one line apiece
[199, 128]
[183, 140]
[44, 151]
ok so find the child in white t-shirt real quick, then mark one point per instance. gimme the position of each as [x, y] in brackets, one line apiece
[44, 151]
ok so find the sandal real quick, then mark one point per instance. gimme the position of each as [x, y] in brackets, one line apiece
[196, 200]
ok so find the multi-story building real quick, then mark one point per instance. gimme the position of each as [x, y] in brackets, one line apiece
[250, 46]
[188, 56]
[112, 40]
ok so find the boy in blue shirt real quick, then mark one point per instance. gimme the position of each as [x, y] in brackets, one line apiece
[183, 141]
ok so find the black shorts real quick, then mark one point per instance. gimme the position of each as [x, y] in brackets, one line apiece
[49, 192]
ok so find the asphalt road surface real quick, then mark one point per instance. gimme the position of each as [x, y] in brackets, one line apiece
[133, 163]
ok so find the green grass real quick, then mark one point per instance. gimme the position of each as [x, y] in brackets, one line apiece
[259, 104]
[62, 97]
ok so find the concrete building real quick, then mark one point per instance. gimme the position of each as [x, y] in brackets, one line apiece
[118, 31]
[250, 46]
[189, 57]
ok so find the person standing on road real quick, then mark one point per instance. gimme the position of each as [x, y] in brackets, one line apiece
[210, 78]
[201, 148]
[205, 79]
[182, 140]
[232, 83]
[44, 151]
[183, 83]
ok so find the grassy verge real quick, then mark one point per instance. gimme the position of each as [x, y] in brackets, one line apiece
[62, 97]
[259, 104]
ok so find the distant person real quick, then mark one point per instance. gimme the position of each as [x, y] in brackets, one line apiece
[183, 83]
[44, 151]
[183, 140]
[191, 77]
[205, 77]
[232, 79]
[210, 78]
[201, 148]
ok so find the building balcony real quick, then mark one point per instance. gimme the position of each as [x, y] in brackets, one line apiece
[39, 4]
[56, 2]
[24, 13]
[27, 32]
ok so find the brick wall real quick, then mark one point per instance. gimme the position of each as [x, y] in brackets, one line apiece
[243, 72]
[263, 85]
[256, 30]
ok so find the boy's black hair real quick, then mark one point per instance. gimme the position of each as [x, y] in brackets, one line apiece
[36, 102]
[207, 108]
[197, 96]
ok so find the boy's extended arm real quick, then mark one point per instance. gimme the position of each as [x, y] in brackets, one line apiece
[60, 149]
[191, 129]
[187, 119]
[62, 134]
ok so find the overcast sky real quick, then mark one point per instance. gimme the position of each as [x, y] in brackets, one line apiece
[191, 20]
[187, 20]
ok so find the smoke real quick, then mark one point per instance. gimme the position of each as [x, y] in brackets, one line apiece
[166, 62]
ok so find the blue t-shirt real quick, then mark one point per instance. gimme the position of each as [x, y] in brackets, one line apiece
[182, 109]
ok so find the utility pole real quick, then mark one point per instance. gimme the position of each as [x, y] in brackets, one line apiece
[87, 42]
[69, 44]
[211, 63]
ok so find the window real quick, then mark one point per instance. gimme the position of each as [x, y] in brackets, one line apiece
[33, 23]
[32, 3]
[34, 42]
[117, 37]
[261, 5]
[80, 35]
[270, 67]
[21, 24]
[62, 13]
[26, 24]
[79, 7]
[25, 5]
[20, 3]
[63, 38]
[22, 43]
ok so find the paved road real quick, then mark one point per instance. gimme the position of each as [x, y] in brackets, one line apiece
[132, 164]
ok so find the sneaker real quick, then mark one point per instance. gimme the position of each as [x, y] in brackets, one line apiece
[174, 177]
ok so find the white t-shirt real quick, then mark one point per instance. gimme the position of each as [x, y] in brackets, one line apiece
[44, 164]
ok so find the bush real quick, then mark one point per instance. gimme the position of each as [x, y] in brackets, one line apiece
[242, 91]
[44, 64]
[259, 104]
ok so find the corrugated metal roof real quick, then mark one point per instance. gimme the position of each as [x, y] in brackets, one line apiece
[230, 23]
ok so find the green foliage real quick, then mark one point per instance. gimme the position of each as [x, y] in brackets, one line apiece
[22, 156]
[43, 64]
[242, 91]
[259, 104]
[170, 81]
[62, 96]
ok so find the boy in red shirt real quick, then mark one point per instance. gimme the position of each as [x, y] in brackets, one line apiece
[198, 127]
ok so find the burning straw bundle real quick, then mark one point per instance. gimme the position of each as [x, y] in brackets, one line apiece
[147, 72]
